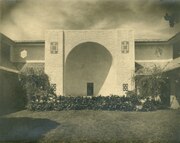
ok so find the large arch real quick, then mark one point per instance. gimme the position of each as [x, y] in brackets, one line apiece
[87, 62]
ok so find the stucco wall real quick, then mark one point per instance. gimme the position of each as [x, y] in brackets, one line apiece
[106, 38]
[5, 54]
[11, 94]
[87, 62]
[156, 51]
[176, 50]
[125, 61]
[119, 73]
[6, 45]
[34, 52]
[0, 48]
[54, 62]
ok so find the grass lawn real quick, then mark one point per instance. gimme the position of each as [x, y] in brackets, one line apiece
[91, 126]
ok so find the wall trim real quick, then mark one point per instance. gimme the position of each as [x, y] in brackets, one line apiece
[8, 69]
[35, 61]
[165, 60]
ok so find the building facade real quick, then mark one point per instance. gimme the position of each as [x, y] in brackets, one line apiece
[90, 62]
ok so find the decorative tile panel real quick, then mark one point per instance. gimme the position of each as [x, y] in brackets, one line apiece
[125, 87]
[125, 47]
[54, 47]
[23, 54]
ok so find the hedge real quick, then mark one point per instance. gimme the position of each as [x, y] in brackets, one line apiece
[41, 97]
[130, 103]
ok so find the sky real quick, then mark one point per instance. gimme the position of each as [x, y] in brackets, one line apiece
[29, 19]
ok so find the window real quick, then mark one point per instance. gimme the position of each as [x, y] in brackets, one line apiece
[125, 47]
[54, 47]
[125, 87]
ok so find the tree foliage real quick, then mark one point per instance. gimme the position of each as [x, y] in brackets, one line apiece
[172, 8]
[152, 82]
[35, 83]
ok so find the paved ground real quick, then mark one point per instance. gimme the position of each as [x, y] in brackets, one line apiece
[91, 126]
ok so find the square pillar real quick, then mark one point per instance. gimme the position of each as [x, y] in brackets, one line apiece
[54, 59]
[125, 59]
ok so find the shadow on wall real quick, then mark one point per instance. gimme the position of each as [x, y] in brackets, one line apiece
[24, 129]
[87, 63]
[12, 96]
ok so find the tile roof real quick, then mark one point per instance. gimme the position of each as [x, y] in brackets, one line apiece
[174, 64]
[142, 67]
[23, 67]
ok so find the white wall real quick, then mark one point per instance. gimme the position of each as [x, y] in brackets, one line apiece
[156, 51]
[122, 65]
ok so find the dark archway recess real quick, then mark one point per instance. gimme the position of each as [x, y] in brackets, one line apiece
[87, 63]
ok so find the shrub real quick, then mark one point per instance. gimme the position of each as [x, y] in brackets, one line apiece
[149, 105]
[135, 99]
[151, 81]
[48, 102]
[36, 84]
[41, 97]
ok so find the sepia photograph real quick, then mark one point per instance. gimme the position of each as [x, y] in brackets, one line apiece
[90, 71]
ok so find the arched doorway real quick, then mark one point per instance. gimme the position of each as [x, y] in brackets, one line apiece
[86, 69]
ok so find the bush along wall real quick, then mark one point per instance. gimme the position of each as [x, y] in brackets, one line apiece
[41, 97]
[47, 102]
[36, 84]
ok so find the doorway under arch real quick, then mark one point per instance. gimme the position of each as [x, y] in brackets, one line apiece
[86, 68]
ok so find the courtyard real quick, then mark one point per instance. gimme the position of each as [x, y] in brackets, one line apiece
[91, 126]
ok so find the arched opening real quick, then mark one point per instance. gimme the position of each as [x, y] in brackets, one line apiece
[86, 69]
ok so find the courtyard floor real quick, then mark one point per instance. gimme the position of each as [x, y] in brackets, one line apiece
[91, 126]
